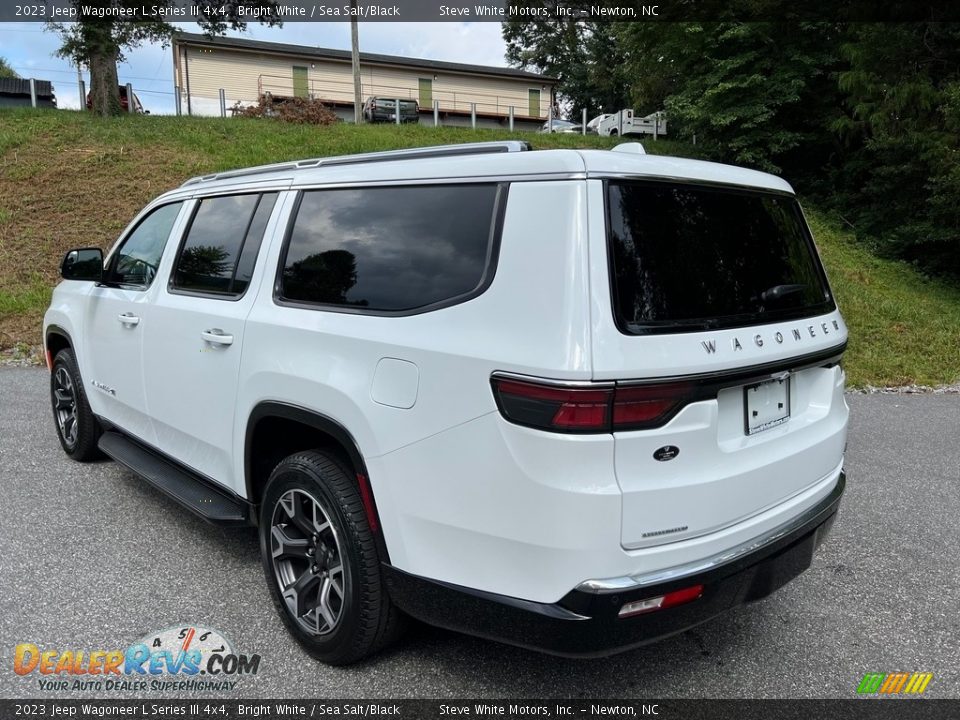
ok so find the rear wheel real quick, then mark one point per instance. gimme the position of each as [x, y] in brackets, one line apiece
[321, 560]
[77, 427]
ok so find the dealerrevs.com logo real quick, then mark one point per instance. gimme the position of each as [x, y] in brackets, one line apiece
[894, 683]
[177, 658]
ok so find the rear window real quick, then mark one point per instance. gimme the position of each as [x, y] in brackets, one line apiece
[391, 249]
[691, 258]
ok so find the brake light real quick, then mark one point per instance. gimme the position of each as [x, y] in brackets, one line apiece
[573, 409]
[643, 406]
[589, 408]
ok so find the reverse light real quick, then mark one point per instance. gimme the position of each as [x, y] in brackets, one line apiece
[661, 602]
[588, 407]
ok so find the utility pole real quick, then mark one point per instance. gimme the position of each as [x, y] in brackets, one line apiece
[355, 58]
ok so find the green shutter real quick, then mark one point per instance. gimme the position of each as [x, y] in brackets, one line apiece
[301, 85]
[534, 101]
[426, 93]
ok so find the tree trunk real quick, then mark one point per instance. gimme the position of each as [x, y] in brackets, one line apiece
[104, 90]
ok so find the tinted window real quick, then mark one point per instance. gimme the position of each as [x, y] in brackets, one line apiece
[136, 260]
[220, 250]
[395, 248]
[686, 257]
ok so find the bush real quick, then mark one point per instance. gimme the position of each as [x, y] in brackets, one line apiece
[298, 111]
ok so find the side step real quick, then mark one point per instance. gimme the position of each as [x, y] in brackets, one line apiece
[196, 494]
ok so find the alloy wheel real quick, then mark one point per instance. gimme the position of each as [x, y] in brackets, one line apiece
[308, 562]
[65, 405]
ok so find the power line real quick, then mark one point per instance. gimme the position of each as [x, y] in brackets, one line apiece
[74, 72]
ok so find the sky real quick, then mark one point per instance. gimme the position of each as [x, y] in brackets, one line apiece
[30, 49]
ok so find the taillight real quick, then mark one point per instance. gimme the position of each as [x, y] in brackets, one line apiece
[589, 408]
[570, 409]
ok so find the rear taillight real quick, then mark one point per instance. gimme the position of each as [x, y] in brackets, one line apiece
[588, 408]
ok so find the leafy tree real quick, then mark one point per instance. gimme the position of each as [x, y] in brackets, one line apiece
[100, 43]
[583, 55]
[901, 179]
[751, 92]
[6, 71]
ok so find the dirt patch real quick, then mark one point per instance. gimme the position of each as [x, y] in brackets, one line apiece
[53, 198]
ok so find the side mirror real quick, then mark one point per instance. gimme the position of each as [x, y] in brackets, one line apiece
[82, 264]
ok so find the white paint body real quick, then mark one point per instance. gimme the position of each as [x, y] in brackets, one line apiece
[464, 496]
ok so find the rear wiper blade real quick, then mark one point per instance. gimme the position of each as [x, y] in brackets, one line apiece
[778, 291]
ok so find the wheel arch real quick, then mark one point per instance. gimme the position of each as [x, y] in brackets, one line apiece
[55, 339]
[277, 429]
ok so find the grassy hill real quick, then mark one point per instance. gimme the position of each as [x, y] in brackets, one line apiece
[69, 180]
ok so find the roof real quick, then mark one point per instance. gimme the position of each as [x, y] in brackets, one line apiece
[21, 86]
[365, 57]
[483, 160]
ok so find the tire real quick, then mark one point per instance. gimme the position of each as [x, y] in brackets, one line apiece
[77, 426]
[333, 553]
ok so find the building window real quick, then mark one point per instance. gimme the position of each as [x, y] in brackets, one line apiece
[426, 93]
[534, 103]
[301, 83]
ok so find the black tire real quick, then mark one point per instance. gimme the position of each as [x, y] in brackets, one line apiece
[77, 426]
[364, 618]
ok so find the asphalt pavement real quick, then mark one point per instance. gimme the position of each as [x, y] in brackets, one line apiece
[93, 558]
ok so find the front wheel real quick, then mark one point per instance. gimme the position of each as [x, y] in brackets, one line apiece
[321, 562]
[77, 426]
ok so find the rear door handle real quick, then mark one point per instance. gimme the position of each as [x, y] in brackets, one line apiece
[129, 319]
[217, 337]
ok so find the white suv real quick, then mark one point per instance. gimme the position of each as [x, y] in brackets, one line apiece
[570, 400]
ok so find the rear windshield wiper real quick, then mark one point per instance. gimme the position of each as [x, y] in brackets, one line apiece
[780, 291]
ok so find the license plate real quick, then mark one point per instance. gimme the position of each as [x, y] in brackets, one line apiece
[766, 405]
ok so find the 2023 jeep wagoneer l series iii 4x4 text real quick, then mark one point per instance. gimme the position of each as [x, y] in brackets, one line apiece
[571, 400]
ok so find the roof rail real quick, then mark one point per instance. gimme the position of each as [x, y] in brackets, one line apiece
[479, 148]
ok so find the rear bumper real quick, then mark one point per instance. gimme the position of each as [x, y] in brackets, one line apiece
[585, 622]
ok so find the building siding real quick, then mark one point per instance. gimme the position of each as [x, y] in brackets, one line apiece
[244, 75]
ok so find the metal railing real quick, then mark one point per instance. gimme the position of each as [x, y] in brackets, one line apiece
[336, 91]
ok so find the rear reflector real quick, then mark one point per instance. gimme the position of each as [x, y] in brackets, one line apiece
[661, 602]
[589, 408]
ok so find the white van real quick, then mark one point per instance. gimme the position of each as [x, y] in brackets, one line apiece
[570, 400]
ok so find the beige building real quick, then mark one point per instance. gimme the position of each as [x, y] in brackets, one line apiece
[248, 69]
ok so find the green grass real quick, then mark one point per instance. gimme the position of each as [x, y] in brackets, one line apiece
[68, 179]
[904, 328]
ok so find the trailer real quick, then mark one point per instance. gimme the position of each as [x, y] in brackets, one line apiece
[626, 123]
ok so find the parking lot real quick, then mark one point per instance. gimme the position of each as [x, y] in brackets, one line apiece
[93, 558]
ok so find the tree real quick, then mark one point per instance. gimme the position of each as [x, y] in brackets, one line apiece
[99, 42]
[752, 92]
[6, 71]
[583, 55]
[901, 179]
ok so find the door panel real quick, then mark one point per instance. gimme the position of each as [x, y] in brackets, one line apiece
[301, 84]
[117, 315]
[193, 348]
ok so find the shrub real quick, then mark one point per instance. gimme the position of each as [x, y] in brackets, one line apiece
[299, 111]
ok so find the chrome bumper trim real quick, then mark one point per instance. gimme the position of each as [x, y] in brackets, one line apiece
[810, 518]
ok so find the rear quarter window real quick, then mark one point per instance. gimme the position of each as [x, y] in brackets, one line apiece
[687, 257]
[391, 249]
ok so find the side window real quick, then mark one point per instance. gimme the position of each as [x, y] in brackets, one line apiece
[135, 261]
[220, 250]
[390, 248]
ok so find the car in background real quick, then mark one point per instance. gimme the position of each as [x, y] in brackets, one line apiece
[559, 126]
[380, 109]
[594, 125]
[137, 105]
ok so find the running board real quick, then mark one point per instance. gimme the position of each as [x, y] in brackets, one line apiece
[194, 493]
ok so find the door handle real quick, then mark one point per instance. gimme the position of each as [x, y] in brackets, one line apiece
[217, 336]
[129, 319]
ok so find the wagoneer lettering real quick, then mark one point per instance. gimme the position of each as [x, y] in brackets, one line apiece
[571, 400]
